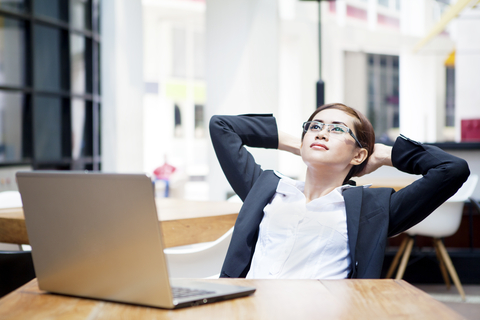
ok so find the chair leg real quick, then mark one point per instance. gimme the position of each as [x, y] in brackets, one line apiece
[442, 264]
[406, 255]
[451, 268]
[395, 260]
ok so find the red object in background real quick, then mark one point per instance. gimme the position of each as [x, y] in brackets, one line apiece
[471, 130]
[164, 171]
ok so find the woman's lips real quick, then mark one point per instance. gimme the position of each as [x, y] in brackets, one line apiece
[317, 145]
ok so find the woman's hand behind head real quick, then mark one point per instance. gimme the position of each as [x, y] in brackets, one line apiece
[381, 156]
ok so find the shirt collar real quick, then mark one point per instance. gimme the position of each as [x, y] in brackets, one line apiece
[289, 186]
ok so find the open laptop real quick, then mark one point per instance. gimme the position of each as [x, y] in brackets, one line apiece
[97, 235]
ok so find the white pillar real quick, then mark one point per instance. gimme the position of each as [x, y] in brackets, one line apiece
[242, 67]
[467, 68]
[122, 86]
[417, 96]
[372, 14]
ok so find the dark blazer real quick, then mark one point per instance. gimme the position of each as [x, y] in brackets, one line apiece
[373, 214]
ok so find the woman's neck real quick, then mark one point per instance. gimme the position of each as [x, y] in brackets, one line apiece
[320, 182]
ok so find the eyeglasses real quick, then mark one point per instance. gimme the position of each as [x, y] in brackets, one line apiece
[333, 128]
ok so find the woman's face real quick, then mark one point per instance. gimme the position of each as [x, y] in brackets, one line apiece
[331, 149]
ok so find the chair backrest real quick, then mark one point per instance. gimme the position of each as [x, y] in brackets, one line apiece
[203, 260]
[10, 199]
[445, 220]
[466, 190]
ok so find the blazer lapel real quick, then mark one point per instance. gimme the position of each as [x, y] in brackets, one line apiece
[353, 204]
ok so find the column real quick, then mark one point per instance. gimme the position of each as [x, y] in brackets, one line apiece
[122, 86]
[241, 69]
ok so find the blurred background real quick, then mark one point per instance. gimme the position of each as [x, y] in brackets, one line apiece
[130, 85]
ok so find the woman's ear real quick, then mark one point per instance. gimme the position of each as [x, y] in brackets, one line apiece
[359, 157]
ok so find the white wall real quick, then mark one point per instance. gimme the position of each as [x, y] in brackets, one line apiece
[242, 68]
[467, 68]
[356, 81]
[122, 86]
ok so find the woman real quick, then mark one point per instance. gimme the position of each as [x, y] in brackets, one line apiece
[324, 228]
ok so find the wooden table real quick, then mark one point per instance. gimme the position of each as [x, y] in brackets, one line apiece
[274, 299]
[183, 222]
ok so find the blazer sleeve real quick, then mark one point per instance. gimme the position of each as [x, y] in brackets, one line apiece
[229, 135]
[443, 174]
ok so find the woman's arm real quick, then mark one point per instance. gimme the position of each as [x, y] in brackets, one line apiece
[230, 134]
[443, 174]
[289, 143]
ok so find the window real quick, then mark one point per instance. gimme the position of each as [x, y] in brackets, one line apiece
[49, 84]
[199, 121]
[383, 94]
[178, 131]
[12, 51]
[11, 134]
[384, 3]
[450, 98]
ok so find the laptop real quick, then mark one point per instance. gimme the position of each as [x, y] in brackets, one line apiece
[97, 235]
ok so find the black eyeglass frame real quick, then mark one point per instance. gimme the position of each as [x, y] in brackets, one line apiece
[307, 124]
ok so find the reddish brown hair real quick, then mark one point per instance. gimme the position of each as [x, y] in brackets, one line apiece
[362, 128]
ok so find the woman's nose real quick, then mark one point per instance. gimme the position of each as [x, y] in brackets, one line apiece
[323, 134]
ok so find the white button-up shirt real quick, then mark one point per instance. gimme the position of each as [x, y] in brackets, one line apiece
[300, 240]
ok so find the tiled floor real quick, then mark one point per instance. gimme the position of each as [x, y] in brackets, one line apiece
[470, 309]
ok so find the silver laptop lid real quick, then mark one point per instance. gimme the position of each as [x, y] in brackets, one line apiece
[96, 235]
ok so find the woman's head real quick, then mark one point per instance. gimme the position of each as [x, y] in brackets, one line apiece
[360, 126]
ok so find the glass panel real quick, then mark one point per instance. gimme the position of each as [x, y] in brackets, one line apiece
[96, 8]
[178, 133]
[12, 52]
[199, 121]
[88, 130]
[77, 58]
[55, 9]
[450, 99]
[89, 59]
[47, 58]
[80, 15]
[14, 5]
[10, 126]
[47, 126]
[97, 69]
[383, 2]
[78, 128]
[97, 111]
[383, 94]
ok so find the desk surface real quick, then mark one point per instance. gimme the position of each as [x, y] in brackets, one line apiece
[274, 299]
[183, 221]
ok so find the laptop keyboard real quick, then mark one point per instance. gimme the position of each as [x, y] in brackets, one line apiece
[179, 292]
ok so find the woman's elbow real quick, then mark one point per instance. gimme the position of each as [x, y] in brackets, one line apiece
[460, 171]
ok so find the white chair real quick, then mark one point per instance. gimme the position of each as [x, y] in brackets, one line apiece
[202, 260]
[10, 199]
[443, 222]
